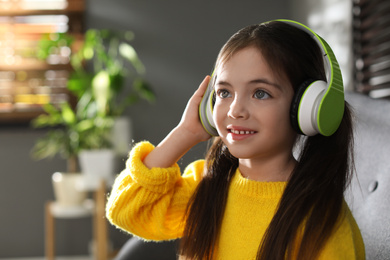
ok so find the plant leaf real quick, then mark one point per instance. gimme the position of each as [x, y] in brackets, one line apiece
[144, 90]
[117, 81]
[128, 52]
[85, 125]
[79, 82]
[101, 90]
[52, 118]
[49, 145]
[68, 115]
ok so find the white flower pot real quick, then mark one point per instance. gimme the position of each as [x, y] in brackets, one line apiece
[97, 165]
[67, 189]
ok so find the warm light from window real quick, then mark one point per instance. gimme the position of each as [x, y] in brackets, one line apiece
[34, 4]
[27, 83]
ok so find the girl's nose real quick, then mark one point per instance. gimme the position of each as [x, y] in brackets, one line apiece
[238, 109]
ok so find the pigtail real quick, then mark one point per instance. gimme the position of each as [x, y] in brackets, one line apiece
[206, 207]
[311, 205]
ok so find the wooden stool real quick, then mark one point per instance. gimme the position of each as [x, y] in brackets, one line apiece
[95, 208]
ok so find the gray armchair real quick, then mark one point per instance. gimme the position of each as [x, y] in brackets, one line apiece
[137, 249]
[369, 194]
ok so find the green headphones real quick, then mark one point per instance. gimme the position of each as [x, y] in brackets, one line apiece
[317, 106]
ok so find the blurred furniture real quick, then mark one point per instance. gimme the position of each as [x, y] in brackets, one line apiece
[369, 194]
[94, 208]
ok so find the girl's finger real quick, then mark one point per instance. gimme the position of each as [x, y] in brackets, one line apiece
[203, 86]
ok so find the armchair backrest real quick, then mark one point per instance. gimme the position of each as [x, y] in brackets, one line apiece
[369, 193]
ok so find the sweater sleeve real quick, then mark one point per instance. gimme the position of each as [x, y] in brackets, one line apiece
[150, 203]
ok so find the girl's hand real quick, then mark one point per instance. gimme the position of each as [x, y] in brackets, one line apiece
[190, 121]
[187, 134]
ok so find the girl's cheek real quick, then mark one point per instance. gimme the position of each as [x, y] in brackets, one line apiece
[216, 114]
[219, 116]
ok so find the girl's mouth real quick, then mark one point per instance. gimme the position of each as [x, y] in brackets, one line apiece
[239, 133]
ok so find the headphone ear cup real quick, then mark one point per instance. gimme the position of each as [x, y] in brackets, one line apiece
[206, 107]
[295, 105]
[307, 107]
[210, 109]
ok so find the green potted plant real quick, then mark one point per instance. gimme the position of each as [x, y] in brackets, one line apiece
[66, 136]
[99, 80]
[103, 68]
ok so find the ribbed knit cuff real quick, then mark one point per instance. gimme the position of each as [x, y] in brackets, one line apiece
[159, 180]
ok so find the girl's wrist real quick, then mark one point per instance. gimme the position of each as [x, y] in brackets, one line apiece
[171, 149]
[187, 137]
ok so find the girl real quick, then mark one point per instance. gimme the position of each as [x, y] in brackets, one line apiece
[250, 198]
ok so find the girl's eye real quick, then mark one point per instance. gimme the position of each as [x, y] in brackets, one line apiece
[261, 94]
[223, 93]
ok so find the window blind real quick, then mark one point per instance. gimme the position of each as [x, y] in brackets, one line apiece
[371, 47]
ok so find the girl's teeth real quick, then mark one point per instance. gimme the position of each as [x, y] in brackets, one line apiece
[242, 132]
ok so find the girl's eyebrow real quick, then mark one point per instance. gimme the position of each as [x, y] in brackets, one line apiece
[265, 81]
[255, 81]
[222, 82]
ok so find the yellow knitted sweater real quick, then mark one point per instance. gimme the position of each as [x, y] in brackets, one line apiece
[150, 203]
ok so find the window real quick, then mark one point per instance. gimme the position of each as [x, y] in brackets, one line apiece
[371, 47]
[27, 83]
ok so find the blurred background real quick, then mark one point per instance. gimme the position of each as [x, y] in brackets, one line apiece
[177, 43]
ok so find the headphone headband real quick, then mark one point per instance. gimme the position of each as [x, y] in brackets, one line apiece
[330, 109]
[333, 74]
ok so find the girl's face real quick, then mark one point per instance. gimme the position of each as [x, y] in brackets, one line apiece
[252, 107]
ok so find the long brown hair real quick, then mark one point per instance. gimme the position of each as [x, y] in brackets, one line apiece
[311, 204]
